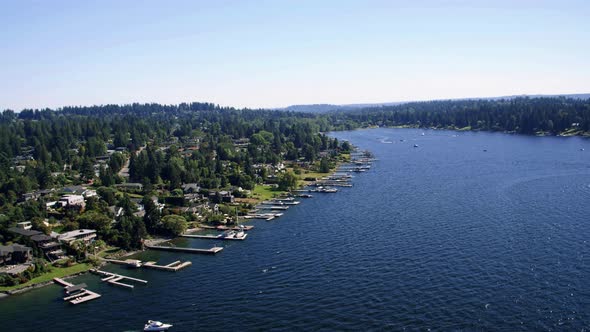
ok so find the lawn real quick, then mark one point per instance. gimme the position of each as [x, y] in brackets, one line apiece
[265, 192]
[57, 272]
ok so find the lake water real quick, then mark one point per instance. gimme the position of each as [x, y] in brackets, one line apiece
[443, 236]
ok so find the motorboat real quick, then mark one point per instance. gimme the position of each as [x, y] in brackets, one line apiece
[229, 234]
[154, 325]
[240, 234]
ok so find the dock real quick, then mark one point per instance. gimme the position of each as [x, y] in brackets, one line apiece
[82, 296]
[215, 237]
[225, 228]
[62, 282]
[127, 262]
[210, 251]
[76, 294]
[273, 207]
[114, 279]
[174, 266]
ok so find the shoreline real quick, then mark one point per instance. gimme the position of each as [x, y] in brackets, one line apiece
[301, 183]
[579, 133]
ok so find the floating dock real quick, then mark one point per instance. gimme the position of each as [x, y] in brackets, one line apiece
[215, 237]
[174, 266]
[210, 251]
[114, 279]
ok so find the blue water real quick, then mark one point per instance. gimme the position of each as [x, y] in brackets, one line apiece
[445, 236]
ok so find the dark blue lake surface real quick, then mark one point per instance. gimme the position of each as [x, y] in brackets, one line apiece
[443, 236]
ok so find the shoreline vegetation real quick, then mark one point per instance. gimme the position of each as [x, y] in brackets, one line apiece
[259, 194]
[151, 171]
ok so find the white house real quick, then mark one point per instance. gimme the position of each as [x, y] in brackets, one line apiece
[72, 200]
[86, 235]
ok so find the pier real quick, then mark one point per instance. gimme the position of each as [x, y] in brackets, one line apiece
[114, 279]
[273, 207]
[127, 262]
[174, 266]
[215, 237]
[225, 228]
[76, 294]
[62, 282]
[210, 251]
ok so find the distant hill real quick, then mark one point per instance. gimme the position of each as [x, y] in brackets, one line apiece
[323, 108]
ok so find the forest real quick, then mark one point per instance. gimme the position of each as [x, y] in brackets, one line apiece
[529, 116]
[156, 148]
[161, 148]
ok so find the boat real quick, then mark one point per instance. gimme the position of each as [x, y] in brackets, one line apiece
[228, 234]
[154, 325]
[415, 145]
[133, 263]
[240, 233]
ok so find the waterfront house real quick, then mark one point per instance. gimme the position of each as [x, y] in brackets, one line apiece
[15, 254]
[86, 235]
[48, 246]
[23, 232]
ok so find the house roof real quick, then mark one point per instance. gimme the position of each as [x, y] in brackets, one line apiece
[73, 189]
[74, 288]
[4, 250]
[41, 238]
[74, 234]
[23, 232]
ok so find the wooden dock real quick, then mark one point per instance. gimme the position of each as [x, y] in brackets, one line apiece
[76, 293]
[174, 266]
[210, 251]
[114, 279]
[214, 237]
[128, 262]
[62, 282]
[82, 296]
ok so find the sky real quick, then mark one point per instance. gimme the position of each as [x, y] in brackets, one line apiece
[263, 54]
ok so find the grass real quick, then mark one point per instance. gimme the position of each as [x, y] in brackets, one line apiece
[57, 272]
[265, 192]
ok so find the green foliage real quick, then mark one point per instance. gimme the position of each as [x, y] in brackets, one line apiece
[287, 181]
[174, 225]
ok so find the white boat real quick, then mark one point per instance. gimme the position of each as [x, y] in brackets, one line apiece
[240, 234]
[153, 325]
[229, 234]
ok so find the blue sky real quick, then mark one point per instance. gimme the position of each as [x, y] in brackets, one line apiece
[278, 53]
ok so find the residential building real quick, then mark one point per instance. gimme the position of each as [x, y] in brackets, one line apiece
[86, 235]
[72, 200]
[15, 254]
